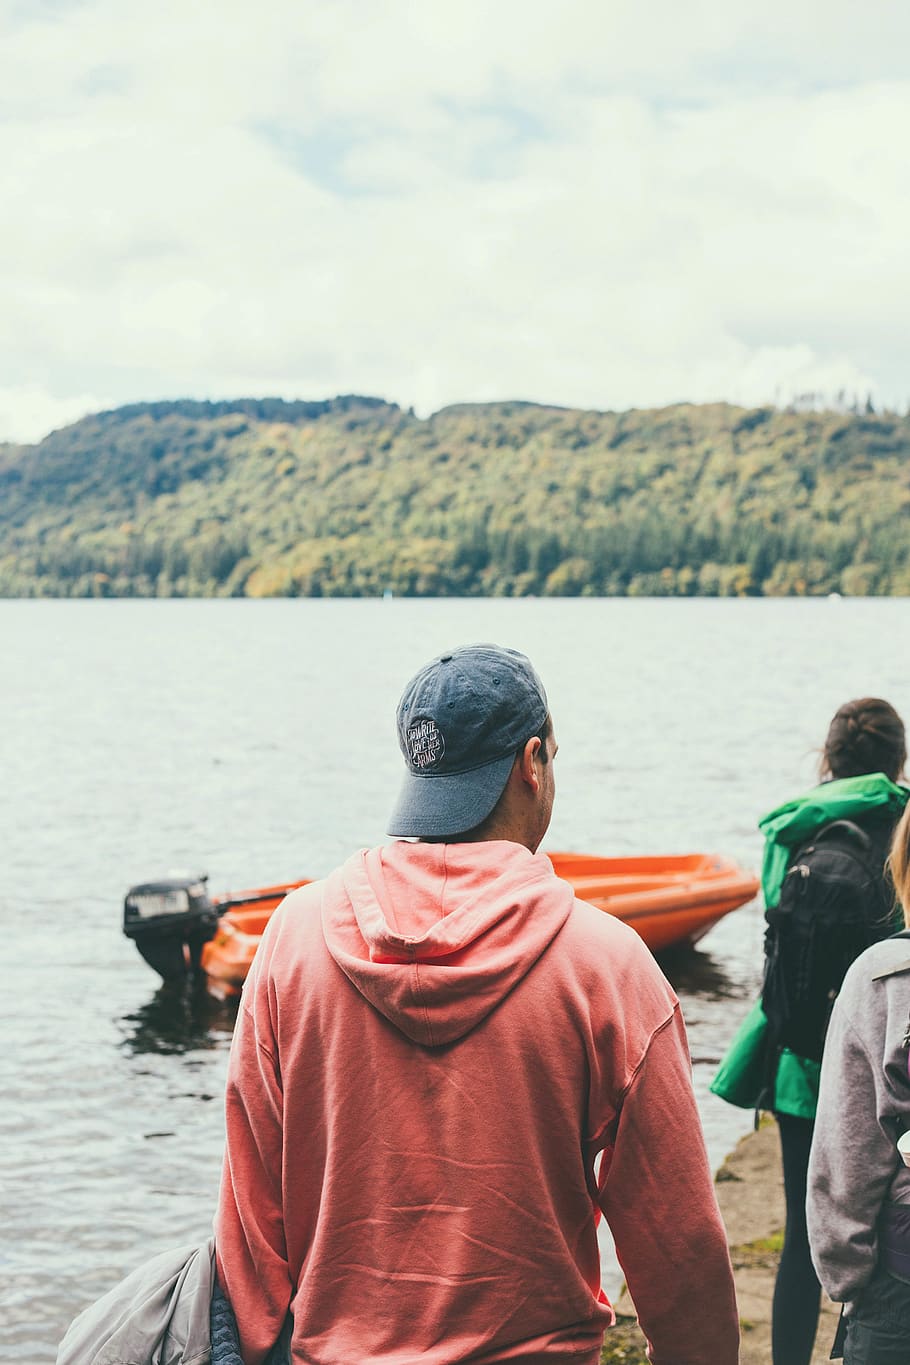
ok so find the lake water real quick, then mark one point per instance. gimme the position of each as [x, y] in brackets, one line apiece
[255, 741]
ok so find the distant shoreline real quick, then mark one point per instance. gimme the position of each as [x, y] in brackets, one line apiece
[355, 497]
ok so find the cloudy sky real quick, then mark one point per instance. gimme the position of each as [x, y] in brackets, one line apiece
[591, 203]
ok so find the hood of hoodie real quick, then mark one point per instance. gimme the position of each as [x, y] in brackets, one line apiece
[795, 821]
[434, 936]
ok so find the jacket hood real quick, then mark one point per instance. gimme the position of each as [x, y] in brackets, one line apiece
[791, 824]
[434, 936]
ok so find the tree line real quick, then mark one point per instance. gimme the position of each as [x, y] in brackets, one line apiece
[356, 497]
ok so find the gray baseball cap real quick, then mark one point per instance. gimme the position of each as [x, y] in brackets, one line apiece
[461, 720]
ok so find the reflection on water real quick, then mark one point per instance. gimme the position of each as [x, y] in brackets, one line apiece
[184, 1017]
[691, 971]
[179, 1019]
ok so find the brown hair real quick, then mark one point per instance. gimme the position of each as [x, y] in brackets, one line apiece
[899, 862]
[865, 736]
[543, 734]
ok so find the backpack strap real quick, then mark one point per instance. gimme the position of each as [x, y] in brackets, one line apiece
[847, 827]
[864, 852]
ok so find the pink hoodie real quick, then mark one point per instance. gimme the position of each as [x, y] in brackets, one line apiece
[433, 1047]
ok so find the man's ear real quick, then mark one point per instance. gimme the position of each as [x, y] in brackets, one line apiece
[528, 761]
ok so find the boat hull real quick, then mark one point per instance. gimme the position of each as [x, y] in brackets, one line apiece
[669, 901]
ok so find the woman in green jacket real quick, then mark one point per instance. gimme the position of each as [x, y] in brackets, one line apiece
[863, 758]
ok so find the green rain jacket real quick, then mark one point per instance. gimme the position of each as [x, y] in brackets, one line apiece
[743, 1073]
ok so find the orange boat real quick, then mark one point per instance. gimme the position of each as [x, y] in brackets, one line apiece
[669, 901]
[178, 928]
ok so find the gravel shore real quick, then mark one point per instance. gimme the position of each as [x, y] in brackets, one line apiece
[751, 1196]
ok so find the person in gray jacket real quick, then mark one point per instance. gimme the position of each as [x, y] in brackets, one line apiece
[158, 1315]
[858, 1205]
[168, 1311]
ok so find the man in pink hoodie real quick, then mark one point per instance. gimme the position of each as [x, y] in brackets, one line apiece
[445, 1067]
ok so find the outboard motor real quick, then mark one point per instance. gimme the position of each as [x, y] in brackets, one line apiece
[170, 920]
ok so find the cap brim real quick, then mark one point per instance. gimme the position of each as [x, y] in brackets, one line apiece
[435, 805]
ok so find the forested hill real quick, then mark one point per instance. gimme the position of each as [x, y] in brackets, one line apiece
[356, 497]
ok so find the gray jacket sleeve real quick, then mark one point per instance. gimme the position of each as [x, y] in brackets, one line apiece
[160, 1312]
[854, 1154]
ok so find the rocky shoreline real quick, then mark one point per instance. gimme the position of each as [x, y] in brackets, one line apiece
[751, 1197]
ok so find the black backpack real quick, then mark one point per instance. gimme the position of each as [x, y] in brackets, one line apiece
[833, 905]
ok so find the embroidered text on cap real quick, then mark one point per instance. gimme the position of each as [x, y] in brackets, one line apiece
[426, 745]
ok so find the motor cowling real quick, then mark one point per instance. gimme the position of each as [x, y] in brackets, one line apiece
[169, 921]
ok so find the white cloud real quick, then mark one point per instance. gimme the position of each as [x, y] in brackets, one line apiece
[30, 412]
[607, 205]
